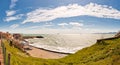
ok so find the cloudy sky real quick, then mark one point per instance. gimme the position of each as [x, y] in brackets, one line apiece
[59, 16]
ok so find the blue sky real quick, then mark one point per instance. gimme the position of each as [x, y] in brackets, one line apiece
[59, 16]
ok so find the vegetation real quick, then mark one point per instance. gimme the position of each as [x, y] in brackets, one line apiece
[106, 52]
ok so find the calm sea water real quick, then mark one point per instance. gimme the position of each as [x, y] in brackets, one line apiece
[67, 43]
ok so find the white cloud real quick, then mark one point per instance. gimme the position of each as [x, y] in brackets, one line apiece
[92, 9]
[14, 26]
[11, 18]
[63, 24]
[72, 24]
[40, 27]
[10, 12]
[76, 24]
[48, 25]
[13, 3]
[32, 27]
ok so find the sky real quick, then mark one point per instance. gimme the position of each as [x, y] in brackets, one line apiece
[59, 16]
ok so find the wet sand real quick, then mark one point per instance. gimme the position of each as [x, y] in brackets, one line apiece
[40, 53]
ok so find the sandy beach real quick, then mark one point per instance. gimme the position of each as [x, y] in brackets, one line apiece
[40, 53]
[62, 43]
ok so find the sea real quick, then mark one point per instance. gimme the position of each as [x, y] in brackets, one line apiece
[65, 43]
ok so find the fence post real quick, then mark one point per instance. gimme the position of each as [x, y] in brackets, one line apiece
[0, 63]
[5, 56]
[9, 59]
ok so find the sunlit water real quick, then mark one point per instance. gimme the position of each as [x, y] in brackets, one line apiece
[66, 43]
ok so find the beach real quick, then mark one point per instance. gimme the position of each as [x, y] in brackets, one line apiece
[55, 46]
[40, 53]
[66, 43]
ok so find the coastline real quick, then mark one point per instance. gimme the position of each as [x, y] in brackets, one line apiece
[43, 52]
[46, 54]
[50, 50]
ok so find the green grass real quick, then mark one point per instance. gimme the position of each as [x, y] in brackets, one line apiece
[106, 52]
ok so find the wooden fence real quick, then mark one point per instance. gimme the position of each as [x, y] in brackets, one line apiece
[6, 56]
[99, 40]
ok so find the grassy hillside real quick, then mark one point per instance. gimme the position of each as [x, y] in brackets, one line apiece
[106, 52]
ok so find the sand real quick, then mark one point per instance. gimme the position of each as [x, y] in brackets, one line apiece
[40, 53]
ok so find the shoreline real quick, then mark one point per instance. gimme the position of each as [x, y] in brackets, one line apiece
[50, 50]
[45, 54]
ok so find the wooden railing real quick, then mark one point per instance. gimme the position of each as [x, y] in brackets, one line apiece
[99, 40]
